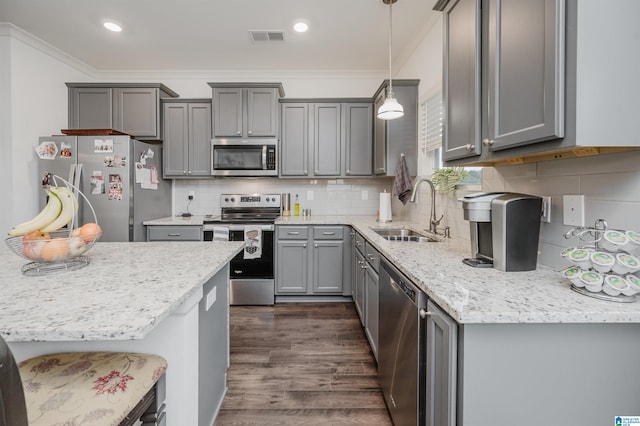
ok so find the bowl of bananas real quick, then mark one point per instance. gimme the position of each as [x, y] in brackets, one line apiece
[49, 240]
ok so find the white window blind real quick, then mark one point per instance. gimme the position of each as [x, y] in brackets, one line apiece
[431, 122]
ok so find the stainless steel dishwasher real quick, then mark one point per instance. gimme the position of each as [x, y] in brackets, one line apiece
[401, 354]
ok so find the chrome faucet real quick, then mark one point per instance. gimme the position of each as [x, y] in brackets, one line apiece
[433, 222]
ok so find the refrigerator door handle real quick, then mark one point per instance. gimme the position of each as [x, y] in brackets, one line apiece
[76, 183]
[72, 174]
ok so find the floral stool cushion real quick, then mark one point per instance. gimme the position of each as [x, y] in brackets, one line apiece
[88, 388]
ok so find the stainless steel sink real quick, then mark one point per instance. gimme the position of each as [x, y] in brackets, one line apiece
[405, 235]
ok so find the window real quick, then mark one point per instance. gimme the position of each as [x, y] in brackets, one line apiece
[430, 131]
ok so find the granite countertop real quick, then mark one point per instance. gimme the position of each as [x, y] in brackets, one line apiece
[473, 295]
[122, 294]
[177, 220]
[482, 295]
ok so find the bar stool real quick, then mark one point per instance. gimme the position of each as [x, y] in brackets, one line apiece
[96, 388]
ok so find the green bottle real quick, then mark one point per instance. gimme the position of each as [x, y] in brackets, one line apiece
[296, 207]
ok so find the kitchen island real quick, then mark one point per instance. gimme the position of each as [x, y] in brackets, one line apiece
[140, 297]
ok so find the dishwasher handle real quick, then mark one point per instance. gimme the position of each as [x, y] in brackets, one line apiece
[402, 284]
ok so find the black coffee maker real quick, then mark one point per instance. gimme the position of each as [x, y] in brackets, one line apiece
[505, 230]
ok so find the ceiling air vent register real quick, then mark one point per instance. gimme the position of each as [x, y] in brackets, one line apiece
[266, 36]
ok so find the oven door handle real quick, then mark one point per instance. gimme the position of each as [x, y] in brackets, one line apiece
[231, 227]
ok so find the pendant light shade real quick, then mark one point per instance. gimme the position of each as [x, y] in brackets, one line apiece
[391, 108]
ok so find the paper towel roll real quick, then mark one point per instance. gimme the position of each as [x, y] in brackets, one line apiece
[385, 207]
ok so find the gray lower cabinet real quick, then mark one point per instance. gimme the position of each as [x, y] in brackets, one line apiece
[326, 139]
[366, 261]
[359, 278]
[246, 110]
[131, 108]
[174, 233]
[291, 268]
[311, 260]
[399, 136]
[328, 266]
[187, 138]
[441, 343]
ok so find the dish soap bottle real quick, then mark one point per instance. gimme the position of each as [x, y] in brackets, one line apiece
[296, 206]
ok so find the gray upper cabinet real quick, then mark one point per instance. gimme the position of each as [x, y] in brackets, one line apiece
[517, 98]
[245, 110]
[525, 55]
[127, 107]
[227, 112]
[461, 80]
[379, 137]
[326, 139]
[399, 136]
[187, 138]
[550, 87]
[91, 108]
[294, 143]
[358, 128]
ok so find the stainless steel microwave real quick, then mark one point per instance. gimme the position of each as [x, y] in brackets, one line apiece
[244, 157]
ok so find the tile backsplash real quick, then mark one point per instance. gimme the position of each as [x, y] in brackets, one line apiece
[322, 196]
[610, 184]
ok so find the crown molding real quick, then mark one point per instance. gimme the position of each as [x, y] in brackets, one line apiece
[10, 30]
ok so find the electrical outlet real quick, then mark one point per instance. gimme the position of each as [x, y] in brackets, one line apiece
[192, 195]
[365, 194]
[573, 210]
[310, 195]
[546, 209]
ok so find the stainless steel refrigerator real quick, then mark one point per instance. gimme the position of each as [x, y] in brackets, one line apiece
[121, 177]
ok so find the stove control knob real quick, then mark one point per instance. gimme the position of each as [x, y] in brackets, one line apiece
[226, 200]
[233, 200]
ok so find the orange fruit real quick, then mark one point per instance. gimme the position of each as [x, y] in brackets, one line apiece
[89, 231]
[55, 250]
[32, 243]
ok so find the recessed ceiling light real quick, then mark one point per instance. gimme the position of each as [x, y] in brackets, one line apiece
[112, 26]
[300, 27]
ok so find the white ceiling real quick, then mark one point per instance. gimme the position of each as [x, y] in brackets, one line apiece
[205, 35]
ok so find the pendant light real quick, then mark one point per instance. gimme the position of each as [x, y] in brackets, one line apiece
[391, 108]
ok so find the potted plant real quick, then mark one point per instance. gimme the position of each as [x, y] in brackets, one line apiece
[446, 179]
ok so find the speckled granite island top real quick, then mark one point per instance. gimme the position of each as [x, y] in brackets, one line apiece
[122, 294]
[482, 295]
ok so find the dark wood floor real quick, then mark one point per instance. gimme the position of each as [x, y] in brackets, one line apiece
[301, 364]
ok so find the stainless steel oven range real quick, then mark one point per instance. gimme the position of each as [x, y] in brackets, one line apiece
[249, 218]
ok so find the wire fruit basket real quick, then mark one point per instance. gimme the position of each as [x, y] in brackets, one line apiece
[61, 250]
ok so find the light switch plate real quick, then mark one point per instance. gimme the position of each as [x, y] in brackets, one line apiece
[365, 194]
[546, 209]
[310, 195]
[573, 210]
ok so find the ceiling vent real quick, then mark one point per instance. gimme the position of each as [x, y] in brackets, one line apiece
[262, 36]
